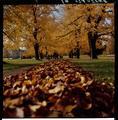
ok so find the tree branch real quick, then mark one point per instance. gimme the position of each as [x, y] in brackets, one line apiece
[8, 36]
[106, 33]
[75, 20]
[66, 33]
[19, 17]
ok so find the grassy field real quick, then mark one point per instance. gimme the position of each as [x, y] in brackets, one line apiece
[12, 66]
[19, 63]
[103, 68]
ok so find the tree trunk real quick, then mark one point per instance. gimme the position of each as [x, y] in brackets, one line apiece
[78, 53]
[78, 50]
[36, 44]
[71, 54]
[36, 49]
[92, 37]
[35, 32]
[46, 55]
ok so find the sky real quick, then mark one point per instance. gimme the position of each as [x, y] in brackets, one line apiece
[60, 13]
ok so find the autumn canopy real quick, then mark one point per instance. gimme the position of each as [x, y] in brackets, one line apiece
[65, 29]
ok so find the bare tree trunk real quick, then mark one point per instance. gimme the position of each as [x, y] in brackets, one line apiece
[78, 50]
[46, 55]
[36, 49]
[35, 32]
[78, 53]
[71, 54]
[36, 45]
[92, 37]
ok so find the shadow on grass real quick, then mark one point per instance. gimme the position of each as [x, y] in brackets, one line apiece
[9, 66]
[16, 64]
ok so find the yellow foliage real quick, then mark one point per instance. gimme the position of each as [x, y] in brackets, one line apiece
[19, 23]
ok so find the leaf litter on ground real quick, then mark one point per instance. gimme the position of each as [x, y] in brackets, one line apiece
[57, 89]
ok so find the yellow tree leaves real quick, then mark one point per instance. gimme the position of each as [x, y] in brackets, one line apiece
[21, 17]
[84, 43]
[85, 18]
[55, 32]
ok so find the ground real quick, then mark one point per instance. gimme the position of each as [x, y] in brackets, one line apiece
[103, 67]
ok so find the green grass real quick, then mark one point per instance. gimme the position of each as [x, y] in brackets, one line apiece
[22, 61]
[103, 67]
[15, 64]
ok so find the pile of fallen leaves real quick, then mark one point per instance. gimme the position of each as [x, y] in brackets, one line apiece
[57, 89]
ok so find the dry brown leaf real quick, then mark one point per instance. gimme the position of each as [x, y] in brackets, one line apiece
[69, 108]
[56, 89]
[34, 107]
[19, 112]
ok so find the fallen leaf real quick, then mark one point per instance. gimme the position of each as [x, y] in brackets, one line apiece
[34, 107]
[19, 112]
[56, 89]
[69, 108]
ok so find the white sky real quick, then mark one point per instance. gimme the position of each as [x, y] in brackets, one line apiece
[60, 13]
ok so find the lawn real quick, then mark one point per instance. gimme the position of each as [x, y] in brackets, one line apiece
[13, 65]
[103, 68]
[18, 63]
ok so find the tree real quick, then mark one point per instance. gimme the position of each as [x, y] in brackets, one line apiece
[91, 20]
[44, 32]
[28, 20]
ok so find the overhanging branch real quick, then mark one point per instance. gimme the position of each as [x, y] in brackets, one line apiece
[71, 30]
[66, 34]
[20, 18]
[75, 20]
[106, 33]
[8, 36]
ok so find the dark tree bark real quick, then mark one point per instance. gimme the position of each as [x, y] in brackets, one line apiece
[35, 32]
[41, 55]
[78, 53]
[92, 37]
[78, 50]
[100, 51]
[55, 55]
[71, 54]
[36, 49]
[46, 55]
[36, 45]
